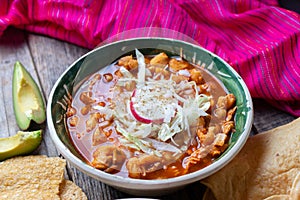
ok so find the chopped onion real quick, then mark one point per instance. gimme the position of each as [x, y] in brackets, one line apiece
[125, 72]
[184, 72]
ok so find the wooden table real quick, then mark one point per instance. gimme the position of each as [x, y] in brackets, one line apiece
[46, 58]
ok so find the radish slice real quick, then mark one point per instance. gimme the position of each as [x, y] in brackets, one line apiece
[135, 114]
[138, 116]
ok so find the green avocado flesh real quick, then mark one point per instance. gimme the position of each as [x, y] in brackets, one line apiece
[28, 101]
[20, 144]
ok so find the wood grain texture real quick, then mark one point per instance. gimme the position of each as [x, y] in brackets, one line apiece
[46, 59]
[13, 48]
[267, 117]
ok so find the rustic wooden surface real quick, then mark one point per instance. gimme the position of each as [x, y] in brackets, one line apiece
[46, 58]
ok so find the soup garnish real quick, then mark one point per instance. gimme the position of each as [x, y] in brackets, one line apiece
[151, 117]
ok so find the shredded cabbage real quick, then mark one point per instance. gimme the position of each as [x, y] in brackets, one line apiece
[134, 140]
[162, 146]
[160, 100]
[141, 66]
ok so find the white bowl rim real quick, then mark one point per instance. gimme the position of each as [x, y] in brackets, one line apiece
[155, 184]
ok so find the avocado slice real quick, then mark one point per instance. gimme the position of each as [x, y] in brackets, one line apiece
[20, 144]
[28, 102]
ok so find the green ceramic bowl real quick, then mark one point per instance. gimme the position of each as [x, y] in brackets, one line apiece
[105, 55]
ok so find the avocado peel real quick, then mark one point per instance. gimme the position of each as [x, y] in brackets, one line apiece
[22, 143]
[28, 101]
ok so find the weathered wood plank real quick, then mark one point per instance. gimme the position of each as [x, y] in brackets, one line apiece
[51, 57]
[13, 47]
[267, 117]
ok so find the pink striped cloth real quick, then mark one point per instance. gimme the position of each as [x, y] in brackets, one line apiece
[258, 38]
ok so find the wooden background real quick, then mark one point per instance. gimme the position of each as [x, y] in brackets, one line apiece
[46, 59]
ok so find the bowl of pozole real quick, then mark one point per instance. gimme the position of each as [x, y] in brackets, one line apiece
[149, 115]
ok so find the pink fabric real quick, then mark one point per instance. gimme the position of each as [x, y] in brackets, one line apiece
[257, 37]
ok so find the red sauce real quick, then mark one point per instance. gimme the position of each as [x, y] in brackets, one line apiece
[91, 128]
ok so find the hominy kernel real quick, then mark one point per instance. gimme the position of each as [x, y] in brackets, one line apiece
[73, 121]
[108, 77]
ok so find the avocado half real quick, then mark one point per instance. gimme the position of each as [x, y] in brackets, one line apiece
[28, 102]
[20, 144]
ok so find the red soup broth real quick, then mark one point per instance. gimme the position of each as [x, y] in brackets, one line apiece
[151, 117]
